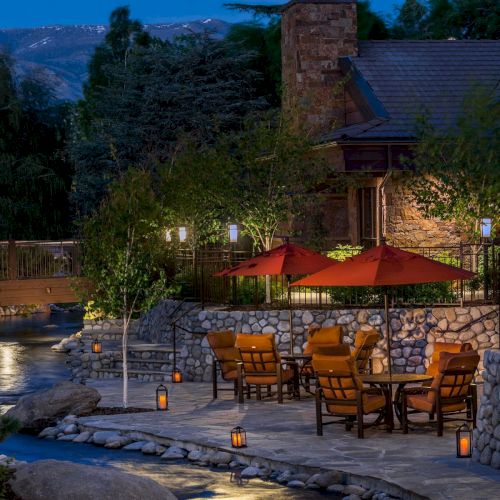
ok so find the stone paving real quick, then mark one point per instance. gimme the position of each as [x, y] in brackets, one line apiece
[419, 462]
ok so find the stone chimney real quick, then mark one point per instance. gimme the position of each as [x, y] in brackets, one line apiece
[315, 33]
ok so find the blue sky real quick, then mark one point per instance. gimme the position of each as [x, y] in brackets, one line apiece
[27, 13]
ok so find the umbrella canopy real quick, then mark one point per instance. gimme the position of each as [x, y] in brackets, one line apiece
[385, 265]
[287, 259]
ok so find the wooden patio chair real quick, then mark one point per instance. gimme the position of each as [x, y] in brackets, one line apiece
[364, 344]
[226, 358]
[451, 393]
[262, 366]
[340, 389]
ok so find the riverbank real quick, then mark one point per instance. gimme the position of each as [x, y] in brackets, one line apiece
[417, 465]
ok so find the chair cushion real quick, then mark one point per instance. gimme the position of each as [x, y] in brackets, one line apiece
[222, 344]
[371, 403]
[323, 337]
[332, 350]
[440, 347]
[258, 352]
[421, 402]
[230, 375]
[261, 342]
[221, 339]
[286, 376]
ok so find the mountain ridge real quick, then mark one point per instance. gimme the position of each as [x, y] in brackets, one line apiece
[63, 51]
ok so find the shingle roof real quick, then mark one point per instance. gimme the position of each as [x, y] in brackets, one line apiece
[413, 77]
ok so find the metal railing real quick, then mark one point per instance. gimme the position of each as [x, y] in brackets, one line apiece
[39, 259]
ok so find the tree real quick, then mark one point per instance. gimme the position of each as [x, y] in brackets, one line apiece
[410, 20]
[457, 170]
[371, 26]
[124, 254]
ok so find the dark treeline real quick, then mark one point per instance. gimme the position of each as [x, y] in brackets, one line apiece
[144, 98]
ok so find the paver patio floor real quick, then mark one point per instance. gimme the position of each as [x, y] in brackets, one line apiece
[419, 461]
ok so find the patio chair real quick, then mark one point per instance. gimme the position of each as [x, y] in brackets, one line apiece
[262, 366]
[226, 358]
[340, 389]
[440, 347]
[364, 344]
[323, 337]
[451, 393]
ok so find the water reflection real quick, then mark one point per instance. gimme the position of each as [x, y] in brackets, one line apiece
[27, 363]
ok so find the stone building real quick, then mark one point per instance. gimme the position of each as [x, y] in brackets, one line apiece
[361, 100]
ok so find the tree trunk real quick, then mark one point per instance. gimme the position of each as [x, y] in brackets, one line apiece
[125, 361]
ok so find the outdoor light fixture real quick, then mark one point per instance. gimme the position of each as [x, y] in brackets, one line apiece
[238, 437]
[168, 235]
[233, 233]
[182, 234]
[464, 441]
[161, 398]
[96, 346]
[176, 376]
[486, 227]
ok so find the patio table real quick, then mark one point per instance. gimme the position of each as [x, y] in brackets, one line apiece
[399, 379]
[301, 362]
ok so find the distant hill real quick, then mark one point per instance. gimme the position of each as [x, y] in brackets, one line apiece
[64, 51]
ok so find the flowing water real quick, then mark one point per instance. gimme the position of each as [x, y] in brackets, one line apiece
[27, 364]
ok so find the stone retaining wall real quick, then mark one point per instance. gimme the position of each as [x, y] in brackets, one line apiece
[486, 440]
[414, 331]
[108, 329]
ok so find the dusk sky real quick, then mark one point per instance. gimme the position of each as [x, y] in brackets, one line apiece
[27, 13]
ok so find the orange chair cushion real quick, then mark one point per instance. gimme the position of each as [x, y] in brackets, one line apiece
[421, 402]
[333, 350]
[255, 379]
[258, 352]
[366, 338]
[222, 344]
[261, 342]
[371, 403]
[440, 347]
[324, 337]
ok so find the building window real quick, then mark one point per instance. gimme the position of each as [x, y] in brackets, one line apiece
[367, 199]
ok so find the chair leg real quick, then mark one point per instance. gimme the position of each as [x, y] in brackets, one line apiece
[280, 385]
[236, 387]
[214, 379]
[269, 391]
[249, 391]
[389, 416]
[319, 418]
[240, 383]
[404, 415]
[431, 416]
[361, 427]
[258, 393]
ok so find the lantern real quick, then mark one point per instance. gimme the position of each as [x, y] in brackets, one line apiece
[464, 441]
[176, 376]
[233, 233]
[168, 235]
[96, 346]
[182, 234]
[486, 227]
[161, 398]
[238, 437]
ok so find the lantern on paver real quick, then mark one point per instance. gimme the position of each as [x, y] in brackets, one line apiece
[161, 398]
[176, 376]
[96, 346]
[238, 437]
[464, 441]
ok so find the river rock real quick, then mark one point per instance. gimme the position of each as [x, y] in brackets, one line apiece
[250, 472]
[83, 437]
[67, 437]
[149, 448]
[174, 453]
[60, 480]
[137, 446]
[49, 431]
[101, 437]
[195, 455]
[35, 411]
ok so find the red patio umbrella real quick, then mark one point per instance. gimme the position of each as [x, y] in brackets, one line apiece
[385, 266]
[287, 259]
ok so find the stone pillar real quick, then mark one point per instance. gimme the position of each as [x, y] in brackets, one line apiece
[486, 440]
[315, 33]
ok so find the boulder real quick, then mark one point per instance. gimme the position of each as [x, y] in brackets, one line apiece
[59, 480]
[36, 411]
[102, 437]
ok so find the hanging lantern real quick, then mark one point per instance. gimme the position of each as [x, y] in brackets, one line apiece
[176, 376]
[464, 441]
[161, 398]
[238, 437]
[96, 346]
[233, 233]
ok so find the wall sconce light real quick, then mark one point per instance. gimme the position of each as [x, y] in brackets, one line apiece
[233, 233]
[161, 398]
[182, 234]
[176, 376]
[486, 227]
[238, 437]
[96, 346]
[464, 441]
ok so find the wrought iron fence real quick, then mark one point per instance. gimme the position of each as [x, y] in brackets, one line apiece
[39, 259]
[196, 270]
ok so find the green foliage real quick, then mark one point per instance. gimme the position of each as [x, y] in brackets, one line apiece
[371, 25]
[8, 426]
[35, 176]
[458, 171]
[342, 252]
[124, 250]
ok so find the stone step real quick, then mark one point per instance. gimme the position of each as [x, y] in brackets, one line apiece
[151, 361]
[142, 375]
[151, 348]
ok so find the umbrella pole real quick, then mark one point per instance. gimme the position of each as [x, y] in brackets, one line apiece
[289, 295]
[387, 331]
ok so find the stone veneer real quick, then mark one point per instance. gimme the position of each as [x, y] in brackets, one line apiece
[414, 331]
[486, 439]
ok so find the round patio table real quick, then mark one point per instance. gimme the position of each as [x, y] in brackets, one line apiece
[399, 379]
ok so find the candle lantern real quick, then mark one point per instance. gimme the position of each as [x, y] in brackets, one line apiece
[176, 376]
[238, 437]
[464, 441]
[96, 346]
[161, 398]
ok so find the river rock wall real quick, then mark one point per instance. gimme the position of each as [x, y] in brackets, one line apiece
[486, 437]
